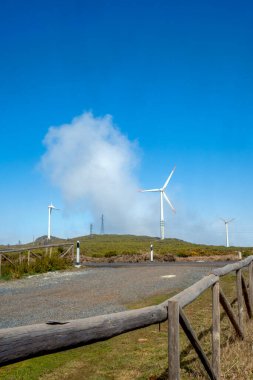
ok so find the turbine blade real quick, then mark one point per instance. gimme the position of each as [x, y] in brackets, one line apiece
[168, 179]
[151, 190]
[169, 202]
[223, 220]
[230, 220]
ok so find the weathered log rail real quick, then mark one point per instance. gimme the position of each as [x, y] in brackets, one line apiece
[20, 343]
[10, 255]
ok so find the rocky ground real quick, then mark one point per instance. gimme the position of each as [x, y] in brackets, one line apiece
[145, 257]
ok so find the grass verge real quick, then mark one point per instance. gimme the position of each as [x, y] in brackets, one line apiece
[36, 265]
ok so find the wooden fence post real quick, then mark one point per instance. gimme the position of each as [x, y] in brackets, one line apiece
[173, 341]
[251, 284]
[228, 309]
[216, 330]
[0, 265]
[246, 297]
[239, 297]
[28, 257]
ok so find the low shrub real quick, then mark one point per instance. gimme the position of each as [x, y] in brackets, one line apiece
[183, 254]
[42, 265]
[110, 254]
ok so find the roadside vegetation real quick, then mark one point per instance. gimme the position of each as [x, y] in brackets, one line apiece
[19, 266]
[142, 354]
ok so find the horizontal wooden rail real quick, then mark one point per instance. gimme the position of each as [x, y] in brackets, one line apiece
[16, 250]
[232, 267]
[19, 343]
[188, 295]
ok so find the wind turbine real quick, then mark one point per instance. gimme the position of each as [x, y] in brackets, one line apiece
[162, 196]
[50, 208]
[226, 225]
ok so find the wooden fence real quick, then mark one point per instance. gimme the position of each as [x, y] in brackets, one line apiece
[19, 343]
[38, 252]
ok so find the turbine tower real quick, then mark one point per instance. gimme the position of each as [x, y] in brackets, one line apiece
[91, 229]
[50, 208]
[226, 226]
[102, 230]
[162, 197]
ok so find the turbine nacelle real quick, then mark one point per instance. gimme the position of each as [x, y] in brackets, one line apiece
[227, 221]
[52, 207]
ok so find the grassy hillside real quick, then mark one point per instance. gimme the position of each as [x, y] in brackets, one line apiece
[112, 245]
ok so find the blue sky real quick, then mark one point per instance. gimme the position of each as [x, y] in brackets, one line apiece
[177, 79]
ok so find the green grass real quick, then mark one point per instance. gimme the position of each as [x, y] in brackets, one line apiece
[142, 354]
[111, 245]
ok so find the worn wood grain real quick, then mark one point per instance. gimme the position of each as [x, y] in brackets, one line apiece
[188, 295]
[173, 341]
[19, 343]
[246, 297]
[216, 329]
[239, 297]
[232, 267]
[251, 284]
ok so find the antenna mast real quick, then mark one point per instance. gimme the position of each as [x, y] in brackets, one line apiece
[102, 231]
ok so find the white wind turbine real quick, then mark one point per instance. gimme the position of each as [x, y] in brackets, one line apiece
[226, 225]
[162, 195]
[50, 208]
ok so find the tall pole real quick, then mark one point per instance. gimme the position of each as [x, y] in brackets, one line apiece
[49, 223]
[227, 241]
[162, 218]
[102, 231]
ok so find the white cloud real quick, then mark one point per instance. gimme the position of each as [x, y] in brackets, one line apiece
[93, 165]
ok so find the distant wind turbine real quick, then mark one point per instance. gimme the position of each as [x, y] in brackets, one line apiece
[50, 208]
[226, 225]
[162, 195]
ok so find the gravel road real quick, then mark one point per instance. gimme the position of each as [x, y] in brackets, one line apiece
[61, 296]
